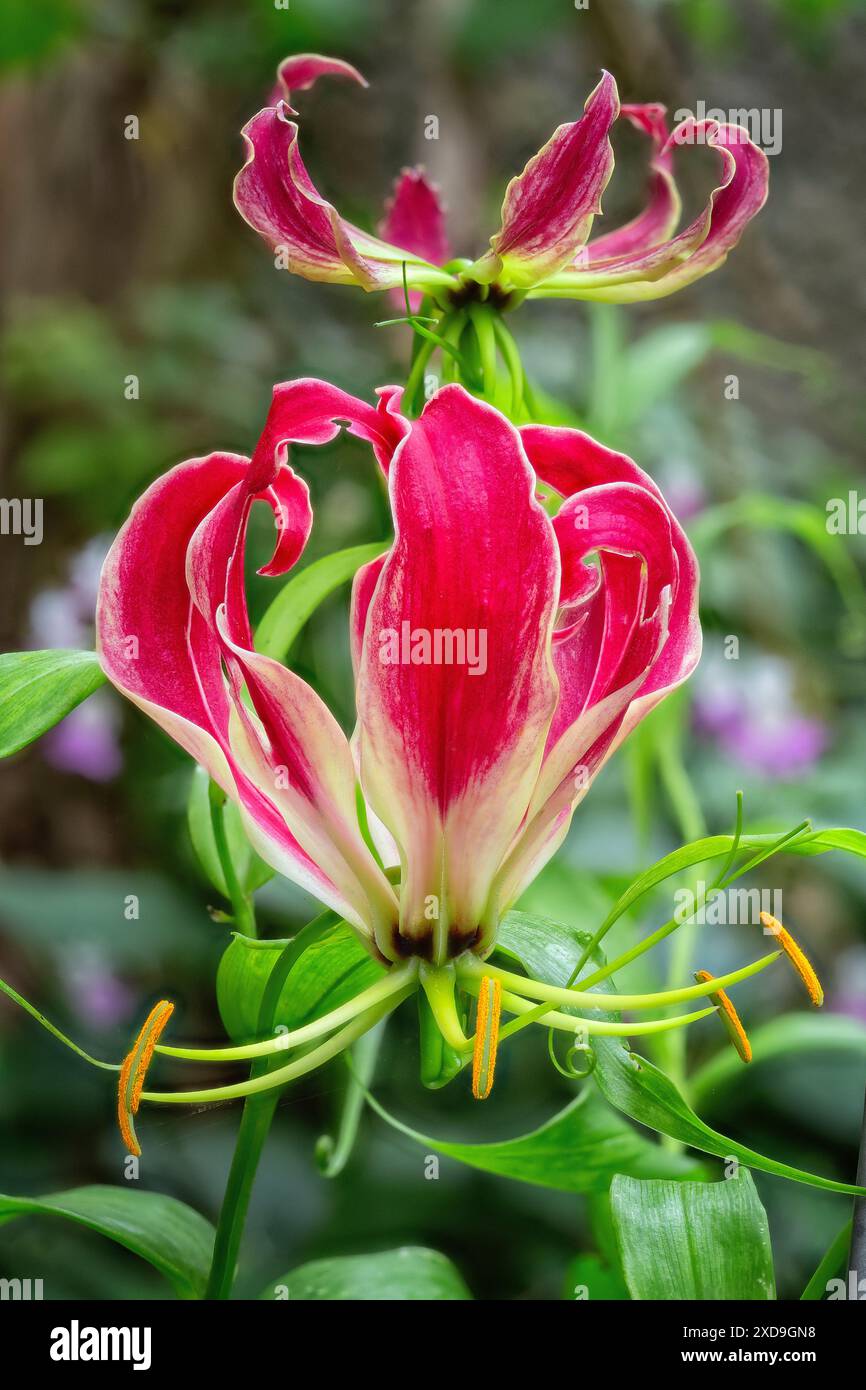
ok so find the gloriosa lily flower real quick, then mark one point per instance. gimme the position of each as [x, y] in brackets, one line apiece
[538, 599]
[501, 655]
[542, 247]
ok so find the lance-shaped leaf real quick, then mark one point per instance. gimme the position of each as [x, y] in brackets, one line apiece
[694, 1241]
[578, 1150]
[167, 1233]
[38, 689]
[640, 1090]
[410, 1274]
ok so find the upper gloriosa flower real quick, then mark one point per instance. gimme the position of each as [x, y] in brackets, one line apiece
[542, 247]
[501, 654]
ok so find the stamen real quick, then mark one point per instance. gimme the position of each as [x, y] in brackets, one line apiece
[134, 1070]
[797, 958]
[730, 1018]
[486, 1037]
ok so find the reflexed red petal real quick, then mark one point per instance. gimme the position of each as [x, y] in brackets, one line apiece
[549, 208]
[299, 72]
[703, 246]
[172, 619]
[415, 220]
[659, 218]
[276, 196]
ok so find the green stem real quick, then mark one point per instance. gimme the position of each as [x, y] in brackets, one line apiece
[254, 1129]
[242, 908]
[415, 380]
[511, 357]
[692, 827]
[482, 321]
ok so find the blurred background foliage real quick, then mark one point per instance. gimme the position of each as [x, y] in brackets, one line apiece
[124, 259]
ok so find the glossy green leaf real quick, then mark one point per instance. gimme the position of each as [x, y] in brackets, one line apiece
[785, 1037]
[331, 969]
[167, 1233]
[38, 689]
[637, 1088]
[694, 1241]
[252, 871]
[410, 1274]
[301, 595]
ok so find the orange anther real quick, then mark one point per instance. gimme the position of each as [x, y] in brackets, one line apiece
[729, 1016]
[797, 958]
[486, 1037]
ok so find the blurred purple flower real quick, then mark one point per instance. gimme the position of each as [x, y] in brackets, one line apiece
[686, 494]
[750, 711]
[848, 993]
[87, 740]
[94, 991]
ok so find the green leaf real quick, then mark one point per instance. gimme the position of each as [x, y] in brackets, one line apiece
[809, 843]
[656, 364]
[167, 1233]
[637, 1088]
[252, 871]
[811, 1033]
[834, 1265]
[578, 1150]
[38, 689]
[801, 519]
[695, 1241]
[300, 596]
[410, 1274]
[590, 1277]
[631, 1084]
[325, 973]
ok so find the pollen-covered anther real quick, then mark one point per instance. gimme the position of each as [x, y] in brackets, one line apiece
[486, 1037]
[798, 959]
[729, 1016]
[134, 1070]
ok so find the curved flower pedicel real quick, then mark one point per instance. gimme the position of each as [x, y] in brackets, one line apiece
[542, 247]
[501, 655]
